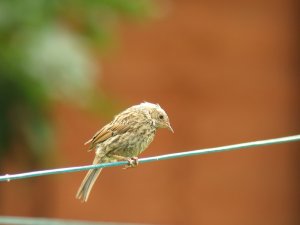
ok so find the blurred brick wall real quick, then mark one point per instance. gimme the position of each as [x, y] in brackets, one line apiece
[224, 73]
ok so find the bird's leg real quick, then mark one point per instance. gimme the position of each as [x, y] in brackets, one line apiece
[132, 162]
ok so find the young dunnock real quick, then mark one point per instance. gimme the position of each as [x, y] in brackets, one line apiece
[129, 134]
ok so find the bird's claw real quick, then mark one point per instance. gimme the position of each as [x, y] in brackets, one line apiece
[132, 162]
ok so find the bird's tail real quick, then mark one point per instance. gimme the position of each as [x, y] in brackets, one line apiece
[87, 184]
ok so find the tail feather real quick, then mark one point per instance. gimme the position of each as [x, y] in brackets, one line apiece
[87, 184]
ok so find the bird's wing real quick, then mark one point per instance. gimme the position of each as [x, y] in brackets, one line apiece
[106, 132]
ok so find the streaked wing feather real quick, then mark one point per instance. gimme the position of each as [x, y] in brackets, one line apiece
[108, 131]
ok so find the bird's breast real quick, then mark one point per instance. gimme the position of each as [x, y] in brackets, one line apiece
[146, 139]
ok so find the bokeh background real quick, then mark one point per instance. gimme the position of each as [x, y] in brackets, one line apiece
[225, 72]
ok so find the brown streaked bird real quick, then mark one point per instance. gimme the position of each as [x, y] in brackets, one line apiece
[128, 135]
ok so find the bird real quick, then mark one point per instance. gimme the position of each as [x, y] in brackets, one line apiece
[123, 139]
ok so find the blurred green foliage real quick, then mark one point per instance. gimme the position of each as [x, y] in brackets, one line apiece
[45, 56]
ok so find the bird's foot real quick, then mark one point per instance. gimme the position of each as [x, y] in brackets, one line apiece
[132, 162]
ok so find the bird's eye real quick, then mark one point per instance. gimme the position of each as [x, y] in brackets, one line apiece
[161, 117]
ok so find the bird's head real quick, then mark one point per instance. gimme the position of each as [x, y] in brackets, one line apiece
[158, 116]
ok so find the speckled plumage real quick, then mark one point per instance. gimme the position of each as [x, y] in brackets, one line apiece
[129, 134]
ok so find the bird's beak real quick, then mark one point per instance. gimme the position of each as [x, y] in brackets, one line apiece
[169, 127]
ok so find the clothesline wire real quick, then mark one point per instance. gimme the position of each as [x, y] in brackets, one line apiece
[273, 141]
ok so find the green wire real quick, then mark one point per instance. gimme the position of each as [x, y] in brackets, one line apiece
[8, 177]
[16, 220]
